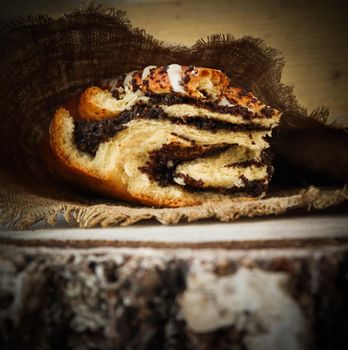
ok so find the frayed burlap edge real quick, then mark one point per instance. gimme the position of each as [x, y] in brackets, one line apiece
[21, 208]
[47, 211]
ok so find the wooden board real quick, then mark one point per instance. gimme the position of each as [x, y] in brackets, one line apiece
[254, 284]
[144, 298]
[289, 231]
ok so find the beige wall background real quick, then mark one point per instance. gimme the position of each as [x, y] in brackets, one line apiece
[312, 35]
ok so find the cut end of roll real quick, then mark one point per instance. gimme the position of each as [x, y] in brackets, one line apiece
[166, 136]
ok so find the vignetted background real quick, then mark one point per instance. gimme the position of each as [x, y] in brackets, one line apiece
[69, 298]
[312, 35]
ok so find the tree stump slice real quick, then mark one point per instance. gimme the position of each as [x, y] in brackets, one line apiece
[101, 293]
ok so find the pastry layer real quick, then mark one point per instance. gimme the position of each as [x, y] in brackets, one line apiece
[194, 149]
[221, 109]
[187, 111]
[89, 134]
[208, 167]
[216, 171]
[96, 104]
[189, 84]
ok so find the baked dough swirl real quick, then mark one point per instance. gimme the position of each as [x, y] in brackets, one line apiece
[166, 136]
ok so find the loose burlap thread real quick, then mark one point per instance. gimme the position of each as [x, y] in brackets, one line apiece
[45, 60]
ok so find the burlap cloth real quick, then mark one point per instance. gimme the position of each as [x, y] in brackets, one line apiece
[45, 60]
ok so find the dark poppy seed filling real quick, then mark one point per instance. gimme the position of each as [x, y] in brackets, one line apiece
[172, 99]
[89, 134]
[163, 162]
[252, 188]
[245, 113]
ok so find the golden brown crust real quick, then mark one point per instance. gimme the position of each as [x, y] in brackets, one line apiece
[90, 110]
[245, 98]
[165, 202]
[194, 77]
[111, 186]
[158, 82]
[177, 203]
[194, 81]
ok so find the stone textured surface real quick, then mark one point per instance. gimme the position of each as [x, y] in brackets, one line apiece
[121, 298]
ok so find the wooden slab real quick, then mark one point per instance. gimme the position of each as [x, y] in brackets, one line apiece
[255, 284]
[145, 298]
[269, 232]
